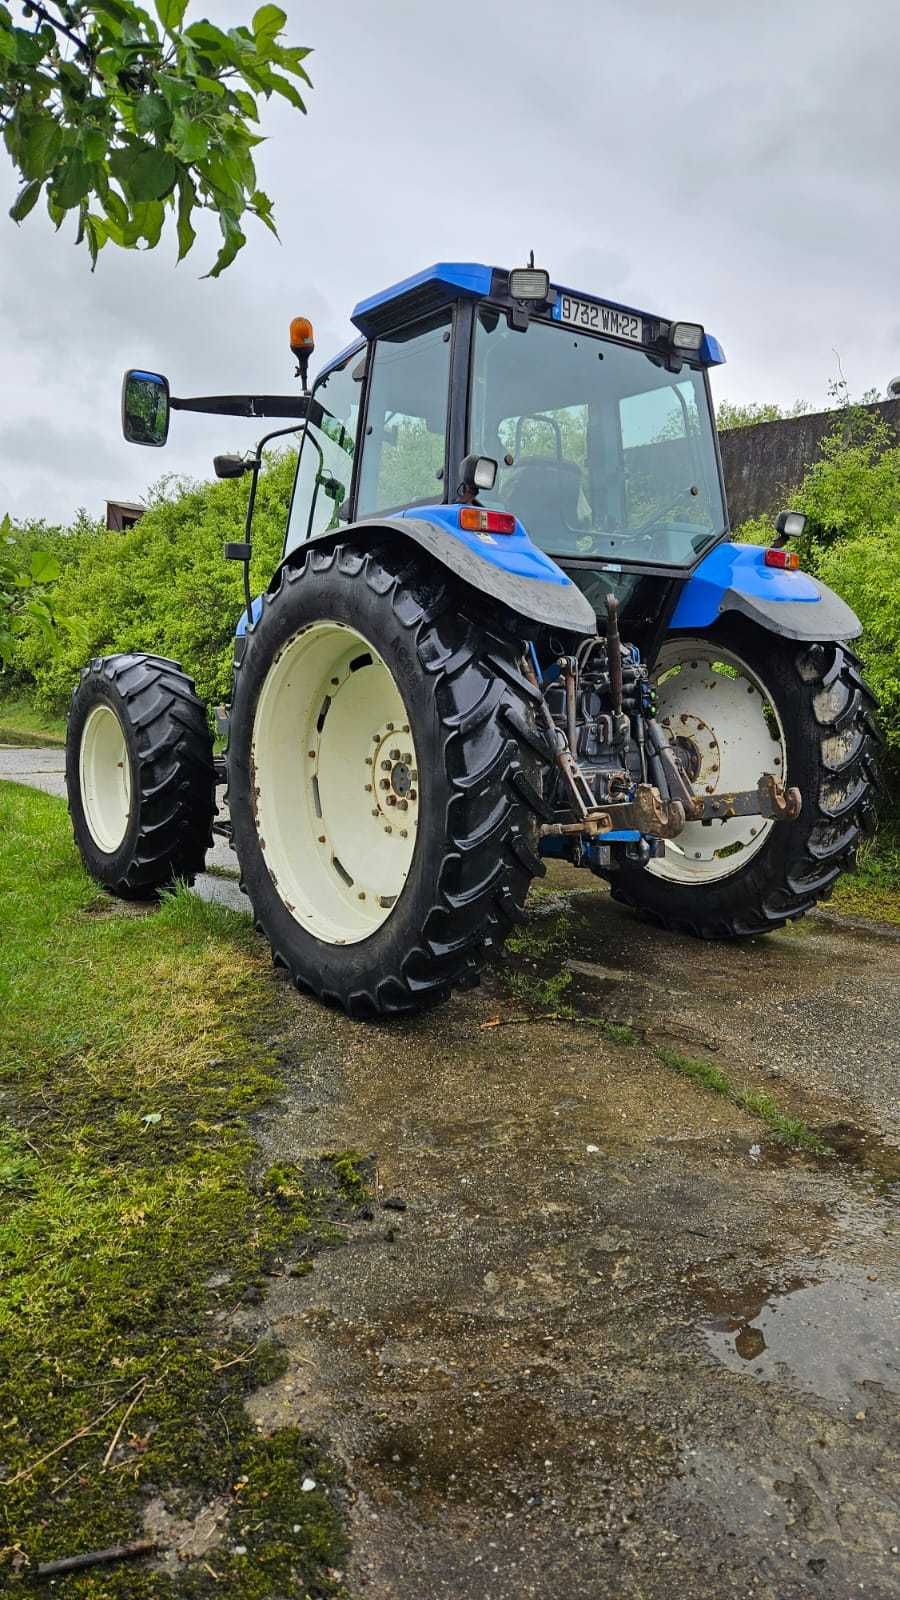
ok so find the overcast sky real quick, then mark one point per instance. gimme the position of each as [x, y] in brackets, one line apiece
[735, 169]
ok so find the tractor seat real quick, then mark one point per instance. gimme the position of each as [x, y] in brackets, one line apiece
[542, 493]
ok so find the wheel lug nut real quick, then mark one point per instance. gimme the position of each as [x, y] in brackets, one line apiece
[385, 783]
[392, 799]
[368, 788]
[388, 829]
[412, 794]
[402, 805]
[385, 766]
[395, 755]
[389, 726]
[407, 758]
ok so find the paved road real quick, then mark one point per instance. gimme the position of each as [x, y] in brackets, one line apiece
[619, 1345]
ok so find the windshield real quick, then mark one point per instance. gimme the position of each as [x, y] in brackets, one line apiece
[602, 451]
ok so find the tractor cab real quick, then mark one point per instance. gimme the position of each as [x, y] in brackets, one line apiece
[596, 418]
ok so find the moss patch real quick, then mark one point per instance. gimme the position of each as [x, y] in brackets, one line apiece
[132, 1050]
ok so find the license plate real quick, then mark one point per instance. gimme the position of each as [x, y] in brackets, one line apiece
[594, 318]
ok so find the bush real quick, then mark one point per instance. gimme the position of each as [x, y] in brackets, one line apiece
[866, 571]
[854, 489]
[163, 585]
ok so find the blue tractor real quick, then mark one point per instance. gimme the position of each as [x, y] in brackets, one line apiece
[508, 623]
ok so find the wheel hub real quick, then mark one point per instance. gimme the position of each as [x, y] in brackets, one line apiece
[727, 732]
[394, 787]
[699, 749]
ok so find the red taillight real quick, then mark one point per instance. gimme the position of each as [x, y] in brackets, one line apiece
[475, 520]
[788, 560]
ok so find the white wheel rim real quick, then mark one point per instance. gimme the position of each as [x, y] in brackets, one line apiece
[733, 734]
[104, 774]
[335, 776]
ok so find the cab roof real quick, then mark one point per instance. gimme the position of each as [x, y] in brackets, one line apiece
[436, 286]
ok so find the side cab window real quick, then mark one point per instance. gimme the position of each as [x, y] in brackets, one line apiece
[325, 464]
[404, 448]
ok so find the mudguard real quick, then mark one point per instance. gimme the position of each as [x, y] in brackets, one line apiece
[734, 577]
[507, 567]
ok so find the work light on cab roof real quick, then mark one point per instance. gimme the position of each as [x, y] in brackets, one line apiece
[508, 624]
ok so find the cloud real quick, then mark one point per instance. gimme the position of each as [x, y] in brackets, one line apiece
[735, 166]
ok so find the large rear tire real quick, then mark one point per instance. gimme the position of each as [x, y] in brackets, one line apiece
[804, 713]
[384, 774]
[139, 774]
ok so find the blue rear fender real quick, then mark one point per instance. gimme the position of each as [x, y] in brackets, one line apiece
[506, 567]
[734, 577]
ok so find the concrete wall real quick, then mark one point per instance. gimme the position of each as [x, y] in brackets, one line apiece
[764, 463]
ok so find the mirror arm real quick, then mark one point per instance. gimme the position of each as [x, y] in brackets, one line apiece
[255, 466]
[244, 405]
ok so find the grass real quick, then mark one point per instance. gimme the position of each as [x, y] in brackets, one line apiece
[133, 1049]
[873, 890]
[23, 723]
[787, 1130]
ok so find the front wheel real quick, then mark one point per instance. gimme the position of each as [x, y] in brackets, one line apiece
[738, 702]
[382, 770]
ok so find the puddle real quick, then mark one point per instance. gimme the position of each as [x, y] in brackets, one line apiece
[831, 1338]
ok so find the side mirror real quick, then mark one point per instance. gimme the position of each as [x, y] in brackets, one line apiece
[788, 525]
[145, 408]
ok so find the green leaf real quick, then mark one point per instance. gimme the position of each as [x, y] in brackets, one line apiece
[94, 144]
[233, 241]
[190, 138]
[207, 35]
[187, 195]
[268, 21]
[25, 200]
[261, 206]
[283, 86]
[247, 104]
[146, 223]
[151, 113]
[45, 567]
[171, 13]
[42, 147]
[145, 174]
[73, 183]
[115, 207]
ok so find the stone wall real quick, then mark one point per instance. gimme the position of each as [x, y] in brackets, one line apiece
[764, 464]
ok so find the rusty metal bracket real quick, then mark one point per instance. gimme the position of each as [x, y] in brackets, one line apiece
[647, 813]
[769, 799]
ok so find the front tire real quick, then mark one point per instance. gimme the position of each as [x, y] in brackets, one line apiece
[383, 777]
[744, 877]
[139, 774]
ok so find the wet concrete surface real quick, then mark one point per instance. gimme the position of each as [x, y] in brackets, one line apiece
[619, 1343]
